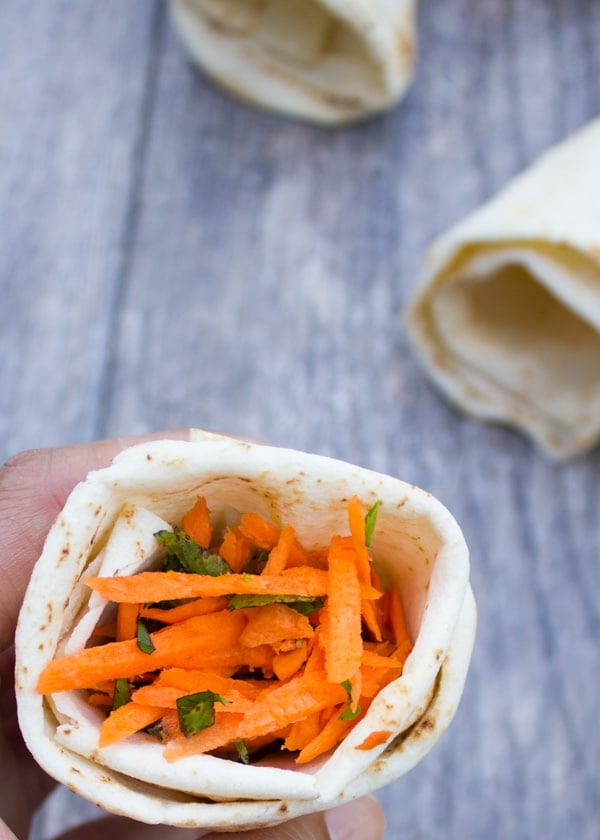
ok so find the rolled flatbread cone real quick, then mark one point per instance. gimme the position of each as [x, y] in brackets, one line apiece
[417, 545]
[506, 320]
[326, 61]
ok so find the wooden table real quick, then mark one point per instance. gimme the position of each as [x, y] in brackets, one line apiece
[170, 257]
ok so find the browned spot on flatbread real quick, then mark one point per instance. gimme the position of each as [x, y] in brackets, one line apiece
[283, 808]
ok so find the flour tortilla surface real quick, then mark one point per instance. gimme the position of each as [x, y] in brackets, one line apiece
[326, 61]
[506, 321]
[416, 542]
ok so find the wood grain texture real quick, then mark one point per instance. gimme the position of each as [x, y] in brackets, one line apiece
[171, 257]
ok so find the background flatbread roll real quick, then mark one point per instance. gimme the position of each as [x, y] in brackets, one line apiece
[327, 61]
[416, 542]
[506, 321]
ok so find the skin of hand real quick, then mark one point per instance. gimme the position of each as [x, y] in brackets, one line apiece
[34, 486]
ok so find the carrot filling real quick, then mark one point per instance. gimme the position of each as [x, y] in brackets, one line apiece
[242, 641]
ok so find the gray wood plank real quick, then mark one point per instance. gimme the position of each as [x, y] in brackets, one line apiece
[256, 273]
[72, 86]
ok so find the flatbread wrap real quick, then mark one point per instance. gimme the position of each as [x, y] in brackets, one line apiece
[506, 319]
[326, 61]
[107, 535]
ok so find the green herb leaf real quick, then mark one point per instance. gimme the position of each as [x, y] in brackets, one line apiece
[122, 693]
[242, 751]
[370, 520]
[144, 641]
[301, 603]
[349, 713]
[197, 711]
[185, 555]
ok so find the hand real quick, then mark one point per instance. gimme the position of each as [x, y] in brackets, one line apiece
[33, 489]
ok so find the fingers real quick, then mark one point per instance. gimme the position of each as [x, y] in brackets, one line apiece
[33, 488]
[361, 819]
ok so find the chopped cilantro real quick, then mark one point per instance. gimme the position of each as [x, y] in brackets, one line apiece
[122, 693]
[370, 520]
[349, 713]
[197, 711]
[144, 640]
[185, 555]
[301, 603]
[242, 751]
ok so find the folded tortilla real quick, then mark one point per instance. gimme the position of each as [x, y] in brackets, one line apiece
[103, 530]
[506, 321]
[327, 61]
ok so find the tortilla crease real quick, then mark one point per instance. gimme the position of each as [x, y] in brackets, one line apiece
[325, 61]
[417, 544]
[506, 320]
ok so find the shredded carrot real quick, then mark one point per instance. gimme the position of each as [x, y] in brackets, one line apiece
[126, 720]
[127, 616]
[299, 660]
[259, 531]
[363, 562]
[214, 632]
[273, 623]
[285, 665]
[329, 735]
[279, 555]
[196, 523]
[343, 640]
[235, 549]
[155, 586]
[100, 699]
[303, 732]
[199, 606]
[397, 620]
[375, 739]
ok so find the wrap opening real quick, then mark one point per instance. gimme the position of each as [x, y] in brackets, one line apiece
[302, 39]
[505, 319]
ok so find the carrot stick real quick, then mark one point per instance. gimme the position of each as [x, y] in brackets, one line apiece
[192, 681]
[235, 549]
[363, 562]
[375, 739]
[279, 555]
[126, 720]
[156, 586]
[196, 523]
[166, 697]
[329, 736]
[127, 616]
[200, 606]
[259, 531]
[397, 620]
[343, 639]
[292, 701]
[287, 664]
[215, 632]
[273, 623]
[302, 732]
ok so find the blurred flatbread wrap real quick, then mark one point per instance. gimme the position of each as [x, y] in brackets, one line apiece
[325, 61]
[506, 320]
[416, 542]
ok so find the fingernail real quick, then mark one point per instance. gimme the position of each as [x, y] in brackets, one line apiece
[361, 819]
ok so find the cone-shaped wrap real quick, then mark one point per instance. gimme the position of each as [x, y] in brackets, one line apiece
[507, 318]
[417, 546]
